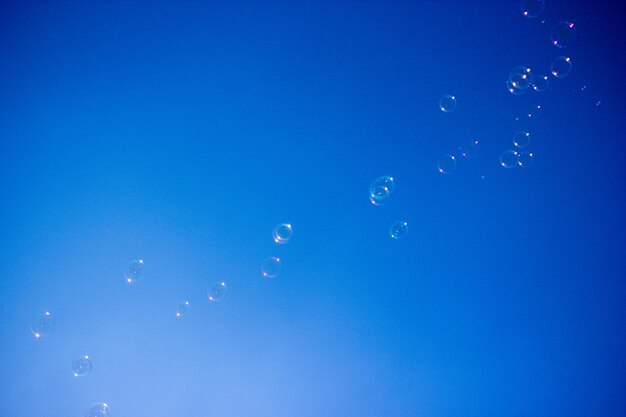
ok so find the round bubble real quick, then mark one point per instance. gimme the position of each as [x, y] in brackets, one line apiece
[82, 365]
[521, 139]
[183, 309]
[447, 103]
[533, 8]
[270, 268]
[217, 291]
[135, 271]
[381, 188]
[43, 325]
[98, 410]
[282, 233]
[513, 90]
[541, 83]
[525, 159]
[399, 229]
[534, 111]
[521, 77]
[563, 34]
[446, 164]
[561, 66]
[509, 159]
[469, 150]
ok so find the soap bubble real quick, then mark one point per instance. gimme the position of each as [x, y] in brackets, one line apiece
[399, 229]
[509, 159]
[469, 150]
[541, 83]
[534, 111]
[563, 34]
[446, 164]
[183, 308]
[521, 77]
[43, 325]
[135, 271]
[217, 291]
[521, 139]
[98, 410]
[270, 268]
[447, 104]
[282, 233]
[82, 365]
[380, 189]
[533, 8]
[561, 66]
[525, 159]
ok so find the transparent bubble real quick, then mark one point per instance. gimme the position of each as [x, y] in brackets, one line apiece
[399, 229]
[513, 90]
[521, 139]
[509, 159]
[533, 8]
[217, 291]
[534, 111]
[447, 104]
[563, 34]
[561, 66]
[270, 268]
[446, 164]
[135, 271]
[282, 233]
[43, 325]
[82, 365]
[98, 410]
[380, 189]
[521, 77]
[469, 150]
[541, 83]
[183, 309]
[525, 159]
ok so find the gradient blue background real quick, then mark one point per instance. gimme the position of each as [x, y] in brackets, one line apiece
[183, 132]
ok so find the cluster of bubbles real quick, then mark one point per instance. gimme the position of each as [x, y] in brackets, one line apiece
[512, 158]
[380, 190]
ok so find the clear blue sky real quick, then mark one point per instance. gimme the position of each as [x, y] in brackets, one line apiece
[183, 132]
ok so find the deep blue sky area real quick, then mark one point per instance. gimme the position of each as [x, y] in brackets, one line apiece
[181, 133]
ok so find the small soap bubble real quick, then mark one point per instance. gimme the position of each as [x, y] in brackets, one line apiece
[469, 150]
[399, 229]
[270, 268]
[563, 34]
[509, 159]
[43, 325]
[521, 77]
[135, 271]
[380, 189]
[282, 233]
[183, 309]
[561, 66]
[541, 83]
[82, 365]
[534, 111]
[217, 291]
[533, 8]
[515, 91]
[446, 164]
[447, 103]
[525, 159]
[521, 139]
[598, 103]
[98, 410]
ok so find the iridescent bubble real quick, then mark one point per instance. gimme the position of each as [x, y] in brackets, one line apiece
[135, 271]
[98, 410]
[521, 77]
[282, 233]
[380, 189]
[270, 268]
[525, 159]
[521, 139]
[183, 309]
[508, 159]
[541, 83]
[82, 365]
[561, 66]
[447, 103]
[43, 325]
[469, 150]
[513, 90]
[446, 164]
[399, 229]
[217, 291]
[563, 34]
[534, 111]
[533, 8]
